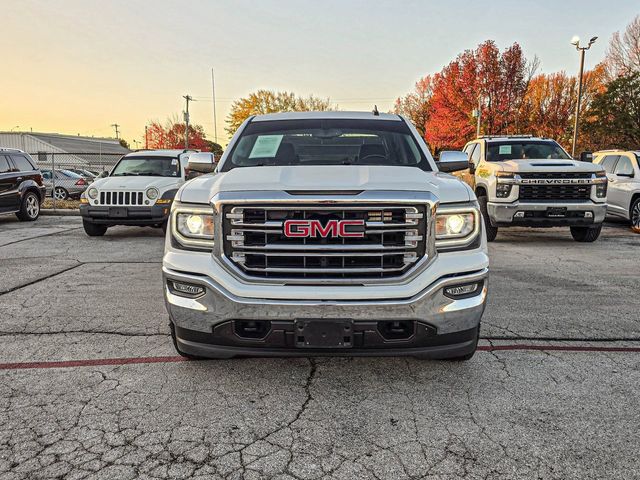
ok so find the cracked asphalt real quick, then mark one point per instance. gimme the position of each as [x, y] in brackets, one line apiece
[570, 408]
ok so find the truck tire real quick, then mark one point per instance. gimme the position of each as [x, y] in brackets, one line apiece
[586, 234]
[94, 230]
[492, 231]
[29, 207]
[634, 214]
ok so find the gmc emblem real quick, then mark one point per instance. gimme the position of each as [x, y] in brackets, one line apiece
[314, 228]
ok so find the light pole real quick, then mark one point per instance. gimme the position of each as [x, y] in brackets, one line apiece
[575, 41]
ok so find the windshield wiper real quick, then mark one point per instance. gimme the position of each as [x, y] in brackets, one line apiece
[124, 174]
[150, 174]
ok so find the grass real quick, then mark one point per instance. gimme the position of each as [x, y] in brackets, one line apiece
[61, 204]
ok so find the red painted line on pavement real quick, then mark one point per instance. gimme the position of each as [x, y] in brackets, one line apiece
[561, 348]
[174, 359]
[91, 362]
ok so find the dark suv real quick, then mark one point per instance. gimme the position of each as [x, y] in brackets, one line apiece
[21, 187]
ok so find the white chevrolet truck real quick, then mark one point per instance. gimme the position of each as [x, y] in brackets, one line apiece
[528, 181]
[326, 233]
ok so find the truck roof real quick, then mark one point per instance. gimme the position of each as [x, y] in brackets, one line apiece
[325, 115]
[502, 138]
[158, 153]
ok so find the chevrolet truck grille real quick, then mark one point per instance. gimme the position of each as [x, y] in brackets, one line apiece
[393, 241]
[566, 192]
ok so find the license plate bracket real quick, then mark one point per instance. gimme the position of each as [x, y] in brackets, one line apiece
[118, 212]
[556, 212]
[324, 333]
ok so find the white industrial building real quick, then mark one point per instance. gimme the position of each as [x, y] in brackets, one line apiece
[71, 149]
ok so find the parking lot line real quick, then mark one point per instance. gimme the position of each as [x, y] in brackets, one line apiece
[176, 358]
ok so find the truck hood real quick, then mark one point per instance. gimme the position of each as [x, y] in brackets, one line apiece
[135, 183]
[547, 165]
[326, 178]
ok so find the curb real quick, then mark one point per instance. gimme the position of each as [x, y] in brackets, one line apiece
[64, 212]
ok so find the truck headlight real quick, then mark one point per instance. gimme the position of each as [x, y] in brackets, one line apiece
[601, 186]
[457, 227]
[193, 226]
[92, 193]
[504, 183]
[152, 193]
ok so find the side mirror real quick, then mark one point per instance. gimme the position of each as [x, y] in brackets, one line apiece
[103, 174]
[586, 157]
[201, 162]
[453, 161]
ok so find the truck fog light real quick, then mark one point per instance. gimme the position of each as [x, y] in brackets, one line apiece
[519, 215]
[588, 214]
[186, 289]
[463, 291]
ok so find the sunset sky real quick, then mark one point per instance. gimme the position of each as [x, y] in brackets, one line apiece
[78, 66]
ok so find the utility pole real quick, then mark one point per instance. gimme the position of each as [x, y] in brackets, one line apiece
[115, 125]
[575, 41]
[188, 99]
[478, 114]
[146, 138]
[215, 123]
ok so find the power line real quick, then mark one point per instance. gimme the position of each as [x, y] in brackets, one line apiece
[115, 125]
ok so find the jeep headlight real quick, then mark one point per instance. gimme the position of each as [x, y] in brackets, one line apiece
[92, 193]
[193, 226]
[456, 227]
[152, 193]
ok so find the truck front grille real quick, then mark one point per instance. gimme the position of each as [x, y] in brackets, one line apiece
[392, 241]
[562, 191]
[122, 198]
[555, 192]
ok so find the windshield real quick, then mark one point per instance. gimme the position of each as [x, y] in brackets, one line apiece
[516, 150]
[147, 166]
[326, 142]
[69, 173]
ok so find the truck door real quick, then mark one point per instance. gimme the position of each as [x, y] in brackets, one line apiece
[9, 199]
[623, 183]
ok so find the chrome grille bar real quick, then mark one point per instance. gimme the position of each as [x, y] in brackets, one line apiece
[393, 241]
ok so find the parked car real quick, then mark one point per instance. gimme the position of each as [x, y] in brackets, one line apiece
[22, 188]
[326, 233]
[88, 175]
[623, 171]
[521, 180]
[68, 184]
[138, 191]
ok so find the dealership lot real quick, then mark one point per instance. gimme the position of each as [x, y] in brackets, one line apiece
[555, 392]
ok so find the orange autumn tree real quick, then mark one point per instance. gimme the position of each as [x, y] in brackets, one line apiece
[171, 135]
[497, 81]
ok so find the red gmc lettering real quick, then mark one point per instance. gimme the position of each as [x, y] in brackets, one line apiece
[314, 228]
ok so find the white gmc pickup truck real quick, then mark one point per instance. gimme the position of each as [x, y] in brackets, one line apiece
[326, 233]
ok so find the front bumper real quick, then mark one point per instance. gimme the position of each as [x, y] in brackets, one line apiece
[535, 214]
[440, 326]
[154, 215]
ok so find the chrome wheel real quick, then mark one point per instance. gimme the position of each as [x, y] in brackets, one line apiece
[635, 216]
[32, 206]
[60, 193]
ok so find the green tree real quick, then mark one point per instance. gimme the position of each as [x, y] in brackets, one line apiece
[268, 101]
[615, 114]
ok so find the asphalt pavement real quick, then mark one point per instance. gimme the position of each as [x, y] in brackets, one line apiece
[90, 386]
